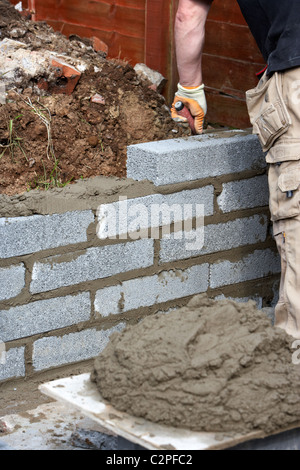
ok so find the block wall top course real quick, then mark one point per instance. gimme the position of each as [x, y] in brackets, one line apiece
[149, 165]
[210, 155]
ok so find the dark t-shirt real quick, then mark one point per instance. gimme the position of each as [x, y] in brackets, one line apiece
[275, 25]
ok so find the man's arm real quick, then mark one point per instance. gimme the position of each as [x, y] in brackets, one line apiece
[189, 41]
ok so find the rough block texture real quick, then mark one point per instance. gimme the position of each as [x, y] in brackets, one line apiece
[178, 160]
[215, 238]
[259, 264]
[44, 315]
[12, 281]
[24, 235]
[257, 300]
[244, 194]
[61, 288]
[152, 290]
[133, 215]
[14, 365]
[95, 263]
[74, 347]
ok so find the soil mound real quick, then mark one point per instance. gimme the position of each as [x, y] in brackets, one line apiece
[48, 140]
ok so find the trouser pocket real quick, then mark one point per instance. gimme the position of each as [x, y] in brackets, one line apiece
[267, 110]
[284, 183]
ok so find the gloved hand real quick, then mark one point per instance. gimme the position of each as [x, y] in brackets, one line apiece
[194, 99]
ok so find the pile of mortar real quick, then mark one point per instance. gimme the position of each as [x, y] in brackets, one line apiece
[211, 366]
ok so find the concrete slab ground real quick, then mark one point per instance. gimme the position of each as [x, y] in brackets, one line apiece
[55, 426]
[52, 426]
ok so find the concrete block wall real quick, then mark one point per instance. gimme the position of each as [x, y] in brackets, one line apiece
[70, 277]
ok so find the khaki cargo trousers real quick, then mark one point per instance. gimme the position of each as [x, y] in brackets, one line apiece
[274, 110]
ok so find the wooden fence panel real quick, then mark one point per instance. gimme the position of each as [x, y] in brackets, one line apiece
[142, 31]
[119, 23]
[231, 60]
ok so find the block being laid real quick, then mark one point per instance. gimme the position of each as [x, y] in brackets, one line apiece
[198, 157]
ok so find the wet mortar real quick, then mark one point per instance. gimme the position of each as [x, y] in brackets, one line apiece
[215, 366]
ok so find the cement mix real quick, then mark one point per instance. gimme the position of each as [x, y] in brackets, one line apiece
[211, 366]
[85, 194]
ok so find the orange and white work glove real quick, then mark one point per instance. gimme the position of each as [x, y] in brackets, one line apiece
[194, 99]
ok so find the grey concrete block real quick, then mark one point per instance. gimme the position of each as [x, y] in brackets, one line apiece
[24, 235]
[74, 347]
[270, 313]
[256, 265]
[134, 215]
[213, 238]
[244, 194]
[12, 281]
[14, 364]
[151, 290]
[94, 263]
[258, 300]
[44, 315]
[177, 160]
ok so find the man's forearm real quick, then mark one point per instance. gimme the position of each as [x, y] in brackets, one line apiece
[189, 39]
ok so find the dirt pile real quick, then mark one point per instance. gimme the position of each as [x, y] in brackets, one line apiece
[210, 366]
[48, 140]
